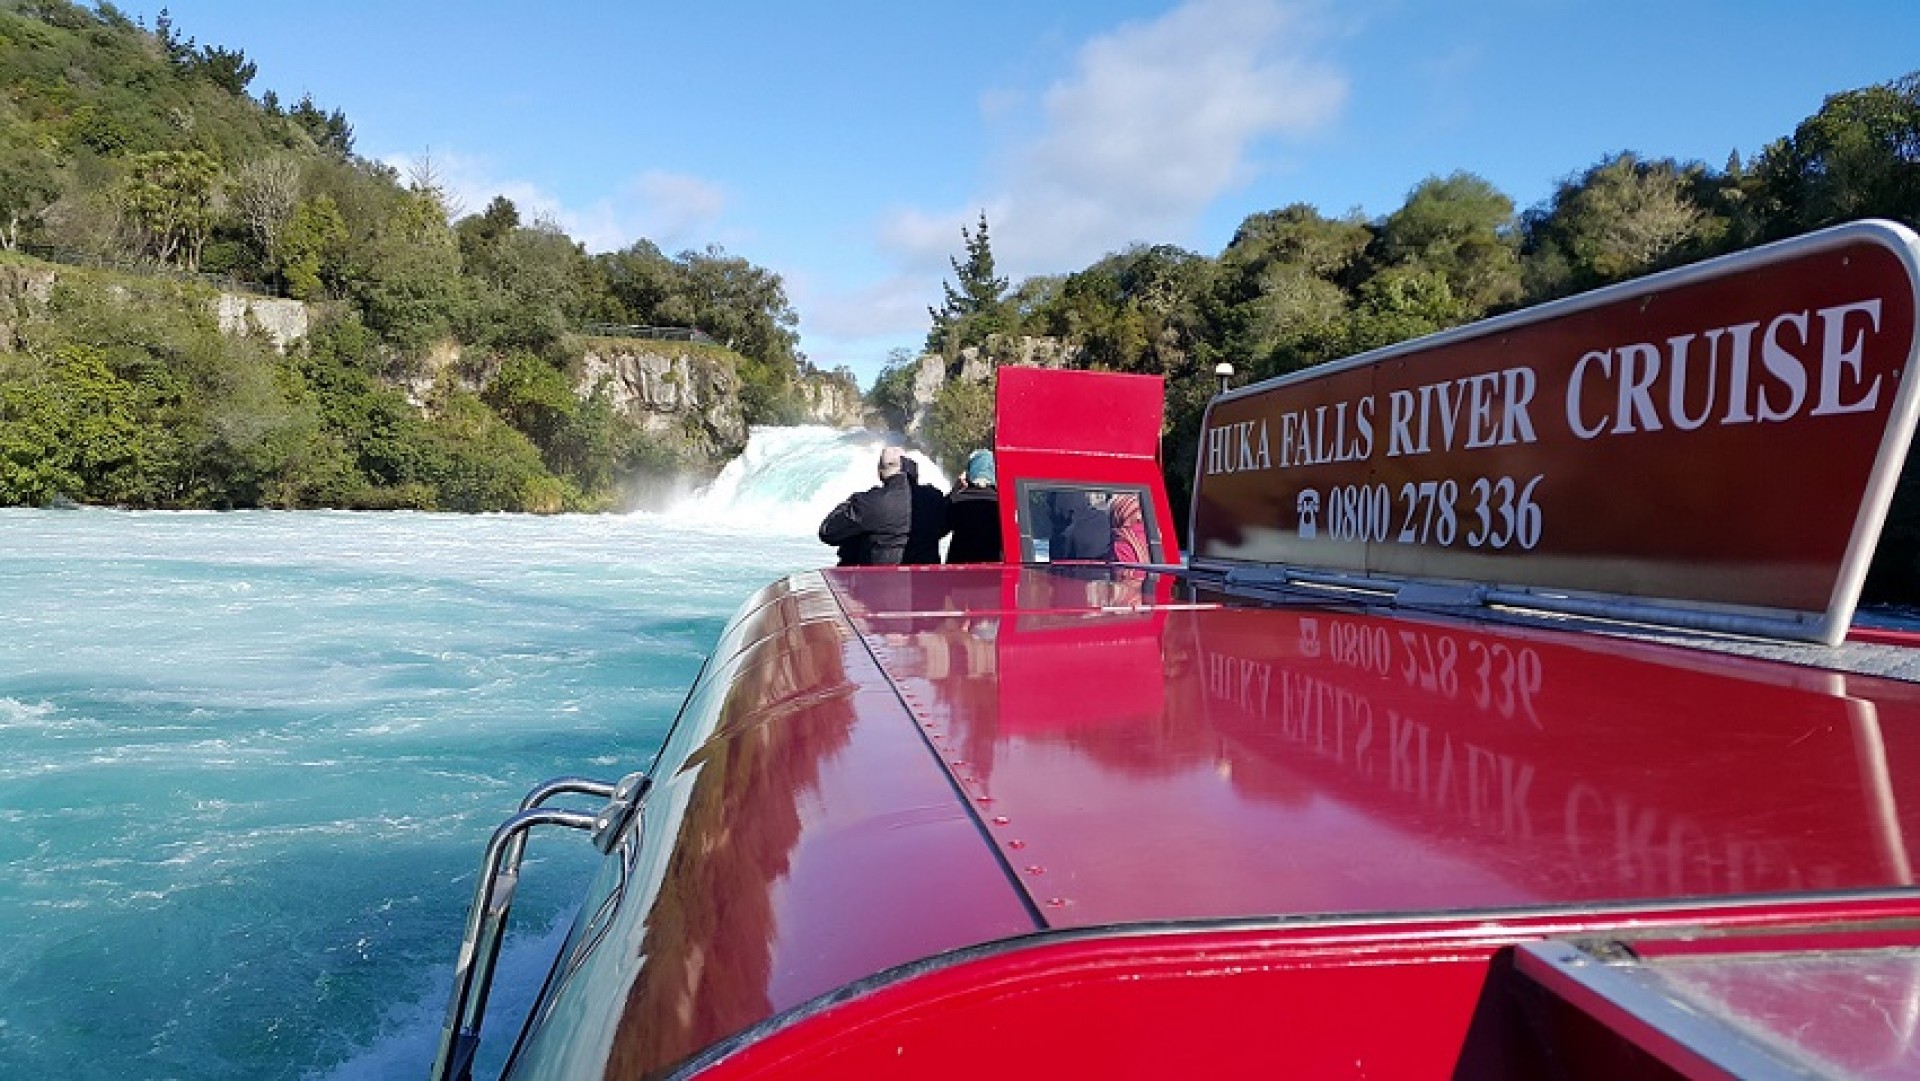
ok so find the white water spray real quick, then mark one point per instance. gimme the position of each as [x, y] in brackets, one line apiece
[789, 478]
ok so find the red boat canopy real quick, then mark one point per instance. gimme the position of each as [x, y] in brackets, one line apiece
[1061, 435]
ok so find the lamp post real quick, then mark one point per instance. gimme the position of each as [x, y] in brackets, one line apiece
[1223, 372]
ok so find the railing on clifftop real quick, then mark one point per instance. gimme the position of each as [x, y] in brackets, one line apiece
[625, 330]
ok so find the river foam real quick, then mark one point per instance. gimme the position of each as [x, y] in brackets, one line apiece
[252, 757]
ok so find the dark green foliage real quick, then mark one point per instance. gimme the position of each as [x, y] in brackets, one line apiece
[1859, 156]
[310, 249]
[960, 421]
[228, 69]
[523, 285]
[480, 463]
[1281, 287]
[328, 130]
[533, 396]
[29, 183]
[598, 450]
[892, 393]
[1462, 228]
[1138, 311]
[222, 421]
[1622, 218]
[68, 429]
[976, 309]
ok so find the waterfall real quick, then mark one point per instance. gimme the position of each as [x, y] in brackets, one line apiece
[789, 478]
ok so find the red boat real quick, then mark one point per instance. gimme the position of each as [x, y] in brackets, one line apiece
[1503, 721]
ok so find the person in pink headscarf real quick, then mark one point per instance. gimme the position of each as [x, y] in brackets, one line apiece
[1129, 530]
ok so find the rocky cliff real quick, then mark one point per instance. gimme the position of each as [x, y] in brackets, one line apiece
[976, 364]
[23, 292]
[27, 290]
[832, 399]
[685, 394]
[284, 322]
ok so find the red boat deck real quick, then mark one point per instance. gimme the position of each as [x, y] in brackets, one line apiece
[1136, 757]
[1321, 804]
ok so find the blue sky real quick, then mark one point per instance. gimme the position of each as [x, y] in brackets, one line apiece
[843, 143]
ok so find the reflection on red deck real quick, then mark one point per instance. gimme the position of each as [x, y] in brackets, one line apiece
[1138, 759]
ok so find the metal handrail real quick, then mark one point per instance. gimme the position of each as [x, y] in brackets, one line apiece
[493, 899]
[635, 330]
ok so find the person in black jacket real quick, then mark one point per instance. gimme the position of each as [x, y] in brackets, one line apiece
[1081, 527]
[929, 517]
[973, 513]
[870, 528]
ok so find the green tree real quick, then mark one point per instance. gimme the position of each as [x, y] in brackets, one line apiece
[892, 394]
[482, 235]
[69, 427]
[1621, 218]
[1397, 305]
[310, 247]
[976, 307]
[526, 287]
[483, 463]
[28, 186]
[1281, 285]
[169, 195]
[598, 449]
[960, 422]
[228, 69]
[1462, 228]
[1139, 310]
[1859, 156]
[408, 280]
[533, 396]
[328, 130]
[641, 282]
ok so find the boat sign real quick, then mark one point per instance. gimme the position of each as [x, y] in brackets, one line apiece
[1719, 441]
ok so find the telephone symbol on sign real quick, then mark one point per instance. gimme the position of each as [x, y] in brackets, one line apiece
[1308, 506]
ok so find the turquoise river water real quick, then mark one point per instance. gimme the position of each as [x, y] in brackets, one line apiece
[248, 760]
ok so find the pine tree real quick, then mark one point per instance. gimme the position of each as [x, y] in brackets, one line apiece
[978, 307]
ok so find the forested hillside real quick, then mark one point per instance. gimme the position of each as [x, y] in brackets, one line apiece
[1295, 288]
[443, 365]
[156, 163]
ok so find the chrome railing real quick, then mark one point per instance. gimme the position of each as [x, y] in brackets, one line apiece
[493, 898]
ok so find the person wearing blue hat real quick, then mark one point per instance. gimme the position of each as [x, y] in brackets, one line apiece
[973, 513]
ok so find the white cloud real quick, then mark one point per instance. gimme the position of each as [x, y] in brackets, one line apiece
[891, 307]
[1155, 121]
[674, 210]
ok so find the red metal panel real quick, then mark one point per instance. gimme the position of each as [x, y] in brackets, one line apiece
[1080, 427]
[1121, 1014]
[1430, 999]
[1078, 747]
[1102, 413]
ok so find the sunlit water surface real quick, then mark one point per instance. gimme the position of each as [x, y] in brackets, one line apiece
[248, 761]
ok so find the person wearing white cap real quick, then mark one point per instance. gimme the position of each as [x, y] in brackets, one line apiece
[870, 528]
